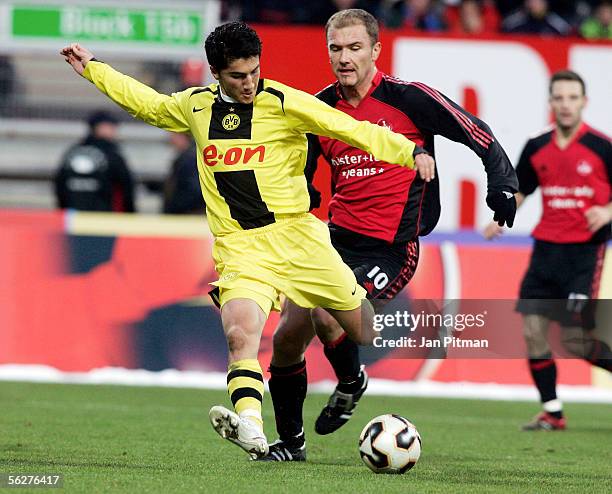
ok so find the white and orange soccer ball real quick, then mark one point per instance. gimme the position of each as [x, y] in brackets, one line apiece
[390, 444]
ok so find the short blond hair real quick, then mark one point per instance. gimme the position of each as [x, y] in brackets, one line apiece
[351, 17]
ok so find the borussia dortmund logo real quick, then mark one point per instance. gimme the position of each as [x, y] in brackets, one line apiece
[231, 121]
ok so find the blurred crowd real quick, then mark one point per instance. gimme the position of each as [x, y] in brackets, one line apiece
[590, 19]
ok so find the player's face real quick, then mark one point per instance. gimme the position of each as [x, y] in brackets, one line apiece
[352, 55]
[239, 79]
[567, 103]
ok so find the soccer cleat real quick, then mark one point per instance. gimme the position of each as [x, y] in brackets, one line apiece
[239, 430]
[285, 451]
[340, 407]
[544, 421]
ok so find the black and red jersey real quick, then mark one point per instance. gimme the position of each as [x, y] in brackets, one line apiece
[571, 180]
[387, 201]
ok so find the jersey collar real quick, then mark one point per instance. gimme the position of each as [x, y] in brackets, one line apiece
[378, 76]
[224, 98]
[581, 131]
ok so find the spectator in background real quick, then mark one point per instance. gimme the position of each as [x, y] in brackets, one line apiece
[182, 193]
[93, 175]
[266, 11]
[473, 17]
[599, 26]
[573, 11]
[423, 15]
[292, 11]
[506, 7]
[318, 11]
[7, 81]
[535, 17]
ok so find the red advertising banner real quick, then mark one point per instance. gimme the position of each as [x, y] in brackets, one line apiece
[83, 291]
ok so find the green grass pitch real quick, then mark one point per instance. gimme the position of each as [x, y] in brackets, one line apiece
[133, 439]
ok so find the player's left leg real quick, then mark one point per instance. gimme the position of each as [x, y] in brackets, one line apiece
[288, 382]
[579, 322]
[384, 272]
[539, 295]
[543, 371]
[343, 355]
[583, 344]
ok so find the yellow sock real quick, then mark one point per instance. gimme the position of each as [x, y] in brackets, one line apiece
[246, 388]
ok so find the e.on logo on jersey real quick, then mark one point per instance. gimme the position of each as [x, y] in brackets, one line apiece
[232, 156]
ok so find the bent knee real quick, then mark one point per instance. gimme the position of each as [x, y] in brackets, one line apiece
[237, 338]
[577, 342]
[535, 334]
[326, 327]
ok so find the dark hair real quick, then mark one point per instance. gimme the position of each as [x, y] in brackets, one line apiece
[101, 116]
[351, 17]
[566, 75]
[230, 42]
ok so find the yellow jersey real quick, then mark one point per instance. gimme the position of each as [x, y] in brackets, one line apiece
[251, 157]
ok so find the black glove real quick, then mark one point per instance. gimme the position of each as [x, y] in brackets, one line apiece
[503, 205]
[315, 197]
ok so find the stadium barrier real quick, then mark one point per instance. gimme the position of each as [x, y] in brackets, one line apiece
[82, 292]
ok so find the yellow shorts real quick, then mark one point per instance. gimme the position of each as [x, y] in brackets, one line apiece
[293, 256]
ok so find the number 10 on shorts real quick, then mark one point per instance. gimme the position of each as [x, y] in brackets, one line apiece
[379, 278]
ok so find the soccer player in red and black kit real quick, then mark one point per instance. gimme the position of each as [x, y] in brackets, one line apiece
[377, 213]
[572, 165]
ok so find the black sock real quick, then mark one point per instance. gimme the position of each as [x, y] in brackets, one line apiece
[600, 355]
[544, 373]
[288, 391]
[343, 355]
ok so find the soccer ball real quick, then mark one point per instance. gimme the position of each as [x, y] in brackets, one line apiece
[390, 444]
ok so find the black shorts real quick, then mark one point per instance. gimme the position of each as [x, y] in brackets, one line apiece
[383, 269]
[562, 282]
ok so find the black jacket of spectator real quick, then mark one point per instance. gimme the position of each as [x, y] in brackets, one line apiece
[522, 22]
[93, 176]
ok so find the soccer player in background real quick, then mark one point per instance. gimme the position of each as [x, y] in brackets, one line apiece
[251, 142]
[572, 164]
[378, 211]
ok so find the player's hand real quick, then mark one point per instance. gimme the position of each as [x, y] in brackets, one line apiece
[492, 230]
[77, 56]
[425, 165]
[597, 216]
[503, 204]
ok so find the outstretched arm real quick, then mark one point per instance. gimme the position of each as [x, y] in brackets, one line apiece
[309, 114]
[433, 112]
[77, 56]
[138, 99]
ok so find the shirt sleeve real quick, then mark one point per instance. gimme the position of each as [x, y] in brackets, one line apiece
[306, 114]
[528, 180]
[433, 112]
[141, 101]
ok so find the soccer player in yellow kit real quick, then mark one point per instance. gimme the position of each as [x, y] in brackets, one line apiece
[252, 146]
